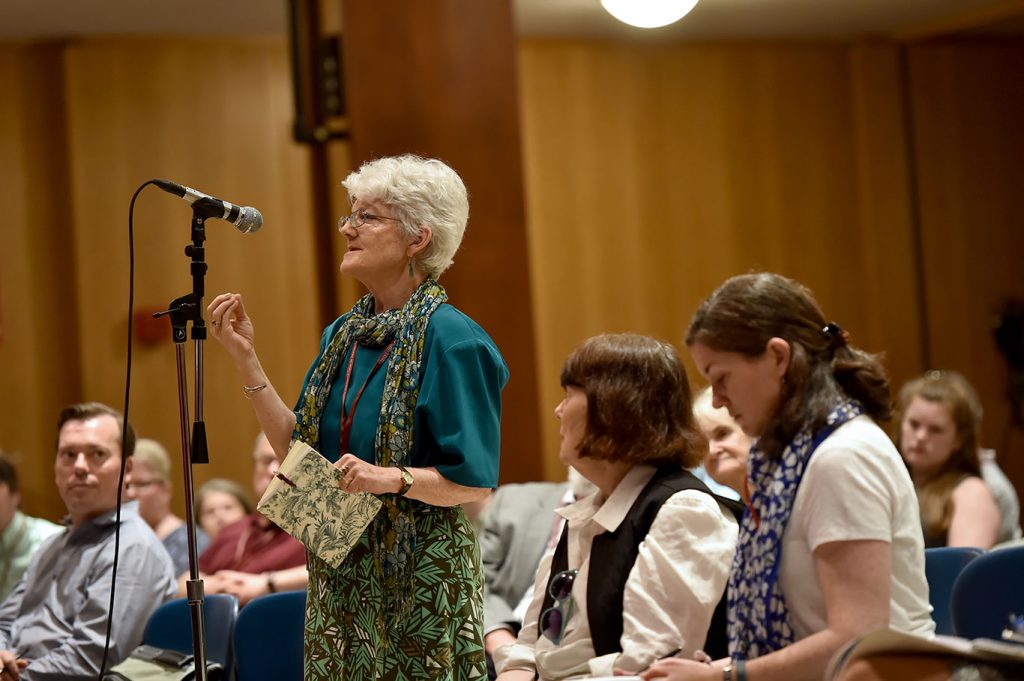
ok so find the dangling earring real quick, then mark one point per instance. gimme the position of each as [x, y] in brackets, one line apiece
[411, 274]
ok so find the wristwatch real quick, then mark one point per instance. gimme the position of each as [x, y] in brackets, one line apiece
[407, 480]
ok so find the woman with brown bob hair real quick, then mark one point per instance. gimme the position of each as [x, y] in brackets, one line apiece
[642, 563]
[831, 546]
[938, 439]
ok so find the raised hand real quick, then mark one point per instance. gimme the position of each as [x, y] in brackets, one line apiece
[231, 326]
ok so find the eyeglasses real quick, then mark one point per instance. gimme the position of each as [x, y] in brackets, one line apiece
[553, 620]
[358, 218]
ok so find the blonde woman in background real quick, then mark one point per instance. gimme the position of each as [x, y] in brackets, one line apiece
[938, 439]
[728, 445]
[150, 484]
[220, 502]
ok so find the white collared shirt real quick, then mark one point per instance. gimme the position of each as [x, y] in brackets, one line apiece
[679, 576]
[519, 612]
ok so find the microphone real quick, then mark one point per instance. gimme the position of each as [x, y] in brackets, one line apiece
[246, 218]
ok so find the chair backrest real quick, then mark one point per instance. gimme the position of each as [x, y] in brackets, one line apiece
[268, 637]
[942, 565]
[170, 626]
[987, 592]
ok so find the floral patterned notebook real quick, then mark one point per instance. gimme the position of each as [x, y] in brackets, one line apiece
[305, 500]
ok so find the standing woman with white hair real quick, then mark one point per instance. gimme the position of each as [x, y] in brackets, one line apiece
[405, 397]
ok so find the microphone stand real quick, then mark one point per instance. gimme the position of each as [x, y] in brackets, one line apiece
[189, 308]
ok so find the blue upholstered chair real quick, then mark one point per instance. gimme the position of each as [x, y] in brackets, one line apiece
[170, 627]
[942, 566]
[268, 637]
[987, 592]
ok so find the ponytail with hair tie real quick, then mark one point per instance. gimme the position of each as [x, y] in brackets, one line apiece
[837, 336]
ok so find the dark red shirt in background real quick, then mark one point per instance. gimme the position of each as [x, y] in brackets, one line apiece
[254, 545]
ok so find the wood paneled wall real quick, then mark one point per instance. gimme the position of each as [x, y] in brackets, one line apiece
[887, 180]
[451, 93]
[967, 102]
[210, 114]
[39, 359]
[654, 173]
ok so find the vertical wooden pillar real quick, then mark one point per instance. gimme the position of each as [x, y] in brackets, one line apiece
[438, 78]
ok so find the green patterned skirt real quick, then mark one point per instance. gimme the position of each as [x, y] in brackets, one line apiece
[349, 634]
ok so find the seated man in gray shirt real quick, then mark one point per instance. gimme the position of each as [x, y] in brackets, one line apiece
[53, 625]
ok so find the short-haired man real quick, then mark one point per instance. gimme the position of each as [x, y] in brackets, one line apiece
[20, 535]
[53, 625]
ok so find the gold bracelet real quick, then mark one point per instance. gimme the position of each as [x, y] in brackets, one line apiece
[250, 391]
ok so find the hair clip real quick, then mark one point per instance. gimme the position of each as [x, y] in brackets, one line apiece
[837, 336]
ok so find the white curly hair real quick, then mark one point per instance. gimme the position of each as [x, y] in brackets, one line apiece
[420, 191]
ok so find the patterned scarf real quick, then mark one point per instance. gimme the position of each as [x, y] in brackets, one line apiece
[392, 534]
[758, 619]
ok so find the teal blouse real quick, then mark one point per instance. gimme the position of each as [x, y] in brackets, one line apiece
[456, 421]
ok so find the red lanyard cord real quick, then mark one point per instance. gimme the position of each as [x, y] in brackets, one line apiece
[346, 420]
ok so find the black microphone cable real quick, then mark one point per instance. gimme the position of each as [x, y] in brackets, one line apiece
[124, 423]
[247, 220]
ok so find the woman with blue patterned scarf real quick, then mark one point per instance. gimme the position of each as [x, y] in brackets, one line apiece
[830, 547]
[405, 397]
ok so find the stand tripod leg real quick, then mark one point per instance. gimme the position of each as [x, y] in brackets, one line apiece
[194, 587]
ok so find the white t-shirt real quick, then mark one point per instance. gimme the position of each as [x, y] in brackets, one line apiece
[855, 487]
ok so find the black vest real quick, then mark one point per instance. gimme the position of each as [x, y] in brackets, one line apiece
[615, 553]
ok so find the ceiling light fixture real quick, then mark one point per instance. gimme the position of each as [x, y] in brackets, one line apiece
[648, 13]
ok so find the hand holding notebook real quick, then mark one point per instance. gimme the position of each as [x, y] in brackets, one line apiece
[306, 500]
